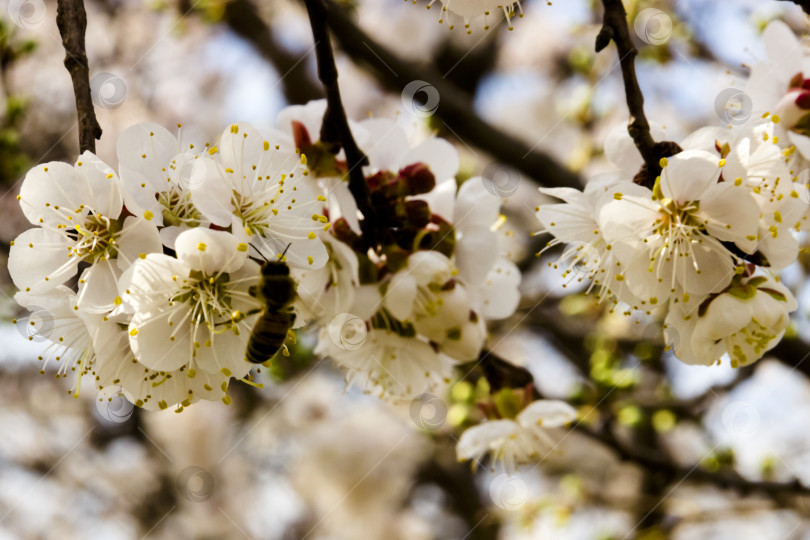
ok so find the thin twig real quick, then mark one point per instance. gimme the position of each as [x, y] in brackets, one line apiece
[506, 374]
[455, 107]
[72, 22]
[335, 128]
[614, 27]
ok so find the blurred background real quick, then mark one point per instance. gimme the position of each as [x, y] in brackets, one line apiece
[663, 449]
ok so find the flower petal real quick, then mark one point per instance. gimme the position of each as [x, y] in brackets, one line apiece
[688, 174]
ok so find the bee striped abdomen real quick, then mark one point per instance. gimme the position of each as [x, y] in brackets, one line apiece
[276, 290]
[268, 335]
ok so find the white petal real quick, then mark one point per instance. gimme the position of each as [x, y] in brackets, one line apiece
[138, 237]
[38, 254]
[212, 195]
[389, 143]
[98, 287]
[145, 152]
[400, 295]
[49, 194]
[705, 139]
[569, 195]
[783, 48]
[548, 413]
[478, 440]
[442, 199]
[475, 254]
[310, 115]
[801, 142]
[732, 215]
[475, 206]
[498, 296]
[621, 151]
[159, 345]
[688, 174]
[438, 154]
[714, 272]
[210, 251]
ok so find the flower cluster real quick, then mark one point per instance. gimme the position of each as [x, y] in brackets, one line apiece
[152, 275]
[703, 243]
[398, 313]
[143, 270]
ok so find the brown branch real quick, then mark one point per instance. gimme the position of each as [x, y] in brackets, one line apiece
[458, 483]
[244, 20]
[455, 107]
[506, 374]
[614, 27]
[72, 22]
[653, 461]
[335, 128]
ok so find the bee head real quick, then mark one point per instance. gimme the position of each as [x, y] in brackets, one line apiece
[275, 268]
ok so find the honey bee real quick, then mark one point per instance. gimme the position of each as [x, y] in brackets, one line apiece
[276, 291]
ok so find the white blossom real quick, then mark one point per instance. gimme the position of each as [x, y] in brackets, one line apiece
[490, 278]
[68, 330]
[672, 241]
[325, 292]
[512, 442]
[744, 322]
[118, 368]
[574, 222]
[158, 174]
[391, 363]
[79, 215]
[185, 308]
[256, 188]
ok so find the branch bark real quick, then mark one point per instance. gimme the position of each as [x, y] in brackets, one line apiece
[615, 28]
[652, 460]
[335, 128]
[455, 107]
[72, 22]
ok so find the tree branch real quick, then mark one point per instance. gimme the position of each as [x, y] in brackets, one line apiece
[244, 20]
[614, 27]
[335, 128]
[507, 374]
[455, 107]
[72, 22]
